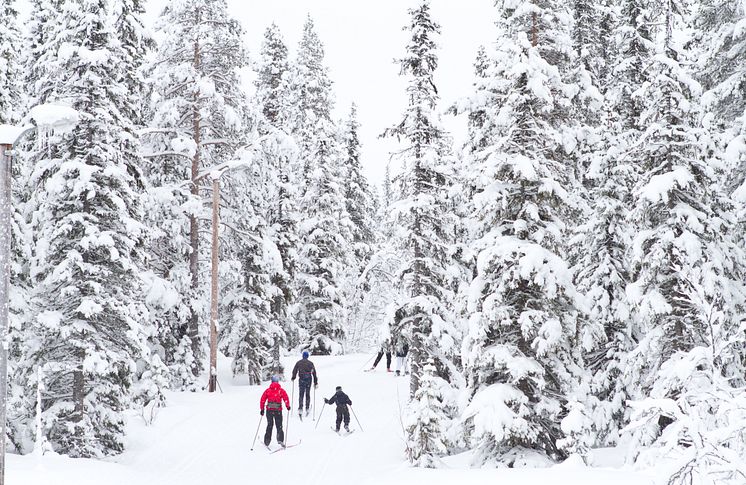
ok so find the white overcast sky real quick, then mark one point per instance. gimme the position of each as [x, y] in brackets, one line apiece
[362, 38]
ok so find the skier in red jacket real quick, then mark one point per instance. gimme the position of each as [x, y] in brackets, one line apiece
[273, 397]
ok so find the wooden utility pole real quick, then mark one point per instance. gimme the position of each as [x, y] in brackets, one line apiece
[212, 384]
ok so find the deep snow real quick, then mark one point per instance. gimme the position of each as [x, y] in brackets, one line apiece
[205, 439]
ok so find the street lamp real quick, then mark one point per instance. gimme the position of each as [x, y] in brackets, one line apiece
[48, 118]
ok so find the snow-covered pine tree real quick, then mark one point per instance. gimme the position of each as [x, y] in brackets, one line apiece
[325, 252]
[425, 424]
[720, 46]
[10, 69]
[361, 207]
[88, 231]
[195, 121]
[600, 243]
[136, 43]
[283, 214]
[687, 273]
[248, 258]
[272, 70]
[11, 104]
[519, 351]
[40, 60]
[308, 97]
[603, 242]
[325, 231]
[421, 217]
[357, 193]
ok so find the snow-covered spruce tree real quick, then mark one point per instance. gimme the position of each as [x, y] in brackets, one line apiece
[11, 104]
[136, 43]
[519, 351]
[88, 234]
[600, 244]
[603, 242]
[722, 44]
[361, 206]
[195, 121]
[720, 48]
[325, 252]
[247, 326]
[41, 63]
[308, 97]
[422, 220]
[283, 214]
[325, 262]
[10, 69]
[424, 423]
[687, 273]
[357, 193]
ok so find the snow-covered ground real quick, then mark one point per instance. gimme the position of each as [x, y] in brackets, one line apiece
[205, 439]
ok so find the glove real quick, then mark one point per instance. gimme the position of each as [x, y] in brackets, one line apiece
[261, 412]
[288, 408]
[292, 378]
[326, 401]
[315, 386]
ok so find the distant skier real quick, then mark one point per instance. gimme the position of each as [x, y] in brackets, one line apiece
[307, 371]
[342, 400]
[273, 397]
[402, 349]
[385, 348]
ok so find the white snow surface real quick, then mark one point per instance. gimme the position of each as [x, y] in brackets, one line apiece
[54, 117]
[202, 438]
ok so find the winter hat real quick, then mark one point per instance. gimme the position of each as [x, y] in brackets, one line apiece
[339, 388]
[305, 354]
[275, 379]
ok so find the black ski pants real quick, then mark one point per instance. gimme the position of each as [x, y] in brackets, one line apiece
[304, 389]
[274, 418]
[343, 413]
[378, 359]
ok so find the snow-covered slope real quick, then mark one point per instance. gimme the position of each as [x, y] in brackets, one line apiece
[205, 439]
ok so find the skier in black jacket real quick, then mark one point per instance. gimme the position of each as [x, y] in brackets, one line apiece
[307, 371]
[342, 400]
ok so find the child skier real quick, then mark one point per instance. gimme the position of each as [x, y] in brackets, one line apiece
[273, 396]
[342, 400]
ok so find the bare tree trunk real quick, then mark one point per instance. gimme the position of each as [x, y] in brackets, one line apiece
[5, 237]
[212, 383]
[534, 30]
[193, 222]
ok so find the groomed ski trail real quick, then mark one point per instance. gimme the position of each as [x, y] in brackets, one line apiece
[206, 438]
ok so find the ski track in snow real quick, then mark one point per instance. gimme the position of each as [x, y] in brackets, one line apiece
[205, 439]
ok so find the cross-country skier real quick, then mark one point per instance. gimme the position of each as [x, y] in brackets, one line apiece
[385, 349]
[307, 371]
[274, 396]
[402, 349]
[342, 400]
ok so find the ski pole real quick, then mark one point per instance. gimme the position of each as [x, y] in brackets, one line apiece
[322, 412]
[292, 396]
[365, 366]
[314, 401]
[257, 432]
[358, 421]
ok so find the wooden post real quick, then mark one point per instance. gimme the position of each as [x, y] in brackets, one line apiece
[5, 236]
[214, 287]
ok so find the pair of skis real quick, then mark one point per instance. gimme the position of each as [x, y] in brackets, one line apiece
[343, 433]
[282, 447]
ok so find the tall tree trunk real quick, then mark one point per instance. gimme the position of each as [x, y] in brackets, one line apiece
[193, 222]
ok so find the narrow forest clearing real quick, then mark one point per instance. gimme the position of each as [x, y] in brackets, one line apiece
[205, 439]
